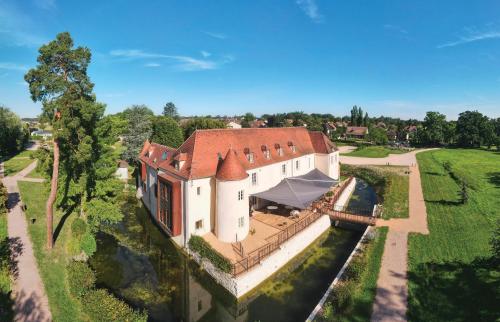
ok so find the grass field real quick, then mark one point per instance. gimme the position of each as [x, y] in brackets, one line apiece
[5, 286]
[362, 288]
[396, 196]
[51, 264]
[16, 163]
[373, 152]
[452, 276]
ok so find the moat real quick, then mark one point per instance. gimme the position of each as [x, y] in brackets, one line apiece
[138, 263]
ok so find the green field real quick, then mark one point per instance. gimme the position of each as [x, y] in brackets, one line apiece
[16, 163]
[5, 287]
[374, 152]
[52, 265]
[452, 276]
[396, 196]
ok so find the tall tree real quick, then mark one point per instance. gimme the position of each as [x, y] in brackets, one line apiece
[139, 119]
[201, 123]
[167, 132]
[434, 128]
[359, 117]
[366, 120]
[474, 129]
[13, 134]
[170, 110]
[61, 83]
[354, 115]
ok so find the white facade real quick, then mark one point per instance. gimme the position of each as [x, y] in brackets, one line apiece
[232, 221]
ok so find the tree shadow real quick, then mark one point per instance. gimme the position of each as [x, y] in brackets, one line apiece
[28, 308]
[60, 225]
[445, 202]
[433, 173]
[455, 291]
[10, 250]
[494, 178]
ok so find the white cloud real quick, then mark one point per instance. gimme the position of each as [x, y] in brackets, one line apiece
[205, 53]
[13, 66]
[215, 34]
[184, 63]
[472, 35]
[310, 8]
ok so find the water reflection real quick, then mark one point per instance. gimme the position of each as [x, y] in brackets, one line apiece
[139, 264]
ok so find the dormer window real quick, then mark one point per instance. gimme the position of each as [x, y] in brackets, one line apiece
[164, 155]
[177, 165]
[292, 146]
[266, 152]
[249, 155]
[279, 149]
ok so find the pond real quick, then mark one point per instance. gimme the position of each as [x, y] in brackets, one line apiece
[141, 265]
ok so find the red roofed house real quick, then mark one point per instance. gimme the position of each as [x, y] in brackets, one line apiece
[204, 186]
[358, 132]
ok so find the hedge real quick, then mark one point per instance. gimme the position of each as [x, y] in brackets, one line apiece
[81, 278]
[102, 306]
[4, 197]
[200, 246]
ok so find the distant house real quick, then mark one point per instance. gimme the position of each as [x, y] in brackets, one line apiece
[357, 132]
[410, 130]
[381, 125]
[42, 133]
[329, 128]
[258, 124]
[233, 125]
[122, 171]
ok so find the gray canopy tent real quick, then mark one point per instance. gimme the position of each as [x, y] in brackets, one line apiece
[300, 191]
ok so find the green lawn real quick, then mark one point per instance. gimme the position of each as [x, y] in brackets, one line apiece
[373, 152]
[16, 163]
[52, 265]
[396, 196]
[451, 274]
[362, 288]
[5, 287]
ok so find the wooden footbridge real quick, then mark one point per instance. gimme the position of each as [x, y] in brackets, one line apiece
[351, 218]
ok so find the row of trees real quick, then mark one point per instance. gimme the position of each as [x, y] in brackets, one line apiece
[13, 133]
[472, 129]
[357, 118]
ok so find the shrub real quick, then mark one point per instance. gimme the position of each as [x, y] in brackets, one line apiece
[4, 197]
[327, 314]
[78, 227]
[88, 244]
[199, 245]
[81, 278]
[342, 297]
[104, 307]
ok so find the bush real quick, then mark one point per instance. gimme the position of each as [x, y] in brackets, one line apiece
[4, 197]
[81, 278]
[199, 245]
[78, 227]
[342, 297]
[104, 307]
[88, 244]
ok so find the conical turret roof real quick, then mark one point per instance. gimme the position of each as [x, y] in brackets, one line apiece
[231, 168]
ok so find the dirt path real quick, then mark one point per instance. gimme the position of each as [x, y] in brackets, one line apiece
[30, 300]
[391, 299]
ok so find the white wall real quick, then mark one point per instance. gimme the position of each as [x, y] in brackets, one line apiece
[152, 179]
[200, 206]
[230, 209]
[334, 167]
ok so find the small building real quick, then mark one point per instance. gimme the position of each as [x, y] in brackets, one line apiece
[122, 171]
[44, 134]
[356, 132]
[233, 125]
[329, 128]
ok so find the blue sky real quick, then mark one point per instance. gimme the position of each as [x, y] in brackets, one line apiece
[396, 58]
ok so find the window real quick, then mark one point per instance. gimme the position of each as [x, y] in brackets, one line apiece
[164, 155]
[200, 306]
[240, 195]
[177, 165]
[156, 190]
[250, 157]
[241, 222]
[254, 179]
[280, 151]
[267, 154]
[199, 224]
[309, 163]
[198, 191]
[297, 164]
[283, 169]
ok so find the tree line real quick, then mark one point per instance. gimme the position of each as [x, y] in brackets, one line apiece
[13, 133]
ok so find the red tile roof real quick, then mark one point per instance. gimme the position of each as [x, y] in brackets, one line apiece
[231, 168]
[202, 151]
[152, 153]
[357, 130]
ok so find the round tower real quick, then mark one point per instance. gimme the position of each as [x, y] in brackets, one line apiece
[232, 214]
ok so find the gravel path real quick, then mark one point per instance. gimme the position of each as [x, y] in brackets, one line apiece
[391, 299]
[30, 300]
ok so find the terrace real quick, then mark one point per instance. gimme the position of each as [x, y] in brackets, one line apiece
[270, 227]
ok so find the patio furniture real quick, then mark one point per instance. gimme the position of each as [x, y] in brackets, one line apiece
[271, 208]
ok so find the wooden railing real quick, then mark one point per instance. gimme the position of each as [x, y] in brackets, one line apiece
[273, 243]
